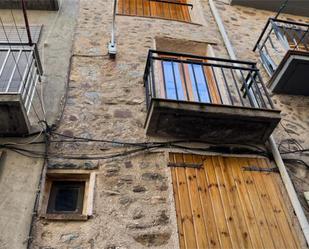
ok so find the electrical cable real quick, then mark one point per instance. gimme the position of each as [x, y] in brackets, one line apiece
[282, 6]
[32, 141]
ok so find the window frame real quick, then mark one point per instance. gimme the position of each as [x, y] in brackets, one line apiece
[66, 176]
[187, 82]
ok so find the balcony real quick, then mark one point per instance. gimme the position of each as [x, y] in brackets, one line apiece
[295, 7]
[284, 51]
[206, 98]
[30, 4]
[20, 72]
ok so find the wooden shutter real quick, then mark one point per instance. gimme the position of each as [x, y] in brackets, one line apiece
[222, 206]
[153, 8]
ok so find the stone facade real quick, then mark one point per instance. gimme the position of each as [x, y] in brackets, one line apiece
[133, 204]
[133, 200]
[244, 26]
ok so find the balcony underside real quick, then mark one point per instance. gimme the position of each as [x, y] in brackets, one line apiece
[13, 116]
[296, 7]
[31, 4]
[209, 122]
[291, 76]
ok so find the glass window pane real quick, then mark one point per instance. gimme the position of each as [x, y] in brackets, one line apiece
[66, 199]
[199, 83]
[173, 81]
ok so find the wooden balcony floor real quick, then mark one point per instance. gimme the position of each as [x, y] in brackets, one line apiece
[291, 76]
[13, 116]
[209, 122]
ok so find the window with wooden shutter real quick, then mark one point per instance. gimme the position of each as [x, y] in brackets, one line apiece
[166, 9]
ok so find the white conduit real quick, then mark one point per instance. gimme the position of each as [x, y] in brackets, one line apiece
[276, 154]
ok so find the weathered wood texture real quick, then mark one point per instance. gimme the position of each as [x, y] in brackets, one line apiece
[222, 206]
[155, 9]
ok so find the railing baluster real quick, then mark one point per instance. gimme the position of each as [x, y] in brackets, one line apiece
[147, 91]
[14, 70]
[236, 85]
[265, 91]
[153, 76]
[28, 79]
[217, 85]
[4, 63]
[246, 88]
[26, 72]
[29, 86]
[206, 84]
[260, 103]
[32, 93]
[185, 81]
[174, 80]
[227, 87]
[164, 82]
[195, 82]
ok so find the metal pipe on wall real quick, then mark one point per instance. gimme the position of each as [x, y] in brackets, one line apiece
[274, 149]
[112, 50]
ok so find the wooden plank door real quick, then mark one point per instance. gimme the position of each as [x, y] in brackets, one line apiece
[220, 205]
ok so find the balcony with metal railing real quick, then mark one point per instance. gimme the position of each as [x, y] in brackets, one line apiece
[283, 47]
[207, 98]
[20, 73]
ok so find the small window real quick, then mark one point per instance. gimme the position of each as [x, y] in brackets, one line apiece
[166, 9]
[68, 195]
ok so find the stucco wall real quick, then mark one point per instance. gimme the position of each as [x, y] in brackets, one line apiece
[20, 175]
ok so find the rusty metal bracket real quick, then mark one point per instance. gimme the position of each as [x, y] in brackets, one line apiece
[259, 169]
[186, 165]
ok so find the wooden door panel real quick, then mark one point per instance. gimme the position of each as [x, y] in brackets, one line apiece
[222, 206]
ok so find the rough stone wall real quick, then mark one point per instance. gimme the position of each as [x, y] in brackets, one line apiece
[133, 204]
[244, 25]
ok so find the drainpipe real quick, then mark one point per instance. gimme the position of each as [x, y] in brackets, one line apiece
[274, 149]
[112, 50]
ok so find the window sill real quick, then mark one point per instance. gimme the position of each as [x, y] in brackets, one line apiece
[66, 217]
[160, 18]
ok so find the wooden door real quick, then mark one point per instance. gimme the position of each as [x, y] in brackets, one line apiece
[222, 206]
[187, 80]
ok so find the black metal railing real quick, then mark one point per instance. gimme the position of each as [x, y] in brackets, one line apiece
[200, 79]
[278, 37]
